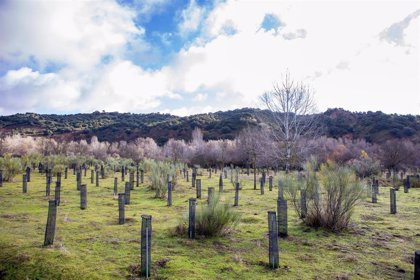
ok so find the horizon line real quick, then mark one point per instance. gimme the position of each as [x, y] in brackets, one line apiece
[213, 112]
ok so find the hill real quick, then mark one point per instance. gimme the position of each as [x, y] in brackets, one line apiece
[113, 126]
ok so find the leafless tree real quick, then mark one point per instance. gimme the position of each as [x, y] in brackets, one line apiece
[98, 149]
[292, 108]
[174, 149]
[396, 154]
[255, 142]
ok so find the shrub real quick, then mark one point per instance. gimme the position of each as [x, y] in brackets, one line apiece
[334, 208]
[126, 162]
[30, 160]
[365, 166]
[11, 166]
[331, 195]
[215, 219]
[159, 172]
[108, 168]
[291, 190]
[414, 182]
[174, 174]
[182, 227]
[235, 177]
[58, 168]
[306, 181]
[56, 163]
[158, 177]
[109, 171]
[73, 161]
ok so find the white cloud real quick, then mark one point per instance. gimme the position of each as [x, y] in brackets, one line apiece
[395, 32]
[382, 77]
[190, 18]
[146, 8]
[24, 90]
[74, 33]
[75, 36]
[337, 49]
[124, 86]
[200, 97]
[117, 86]
[192, 110]
[298, 34]
[248, 62]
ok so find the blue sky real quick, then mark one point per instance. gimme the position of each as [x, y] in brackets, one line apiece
[160, 26]
[188, 56]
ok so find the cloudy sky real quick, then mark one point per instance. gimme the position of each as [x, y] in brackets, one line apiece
[192, 56]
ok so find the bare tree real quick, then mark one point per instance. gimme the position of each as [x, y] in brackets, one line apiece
[292, 109]
[174, 149]
[396, 154]
[98, 149]
[253, 142]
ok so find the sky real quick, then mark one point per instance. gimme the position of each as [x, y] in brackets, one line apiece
[188, 56]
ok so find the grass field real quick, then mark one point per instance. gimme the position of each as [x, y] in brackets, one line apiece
[89, 244]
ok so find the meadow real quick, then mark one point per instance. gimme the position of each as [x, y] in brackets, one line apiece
[90, 244]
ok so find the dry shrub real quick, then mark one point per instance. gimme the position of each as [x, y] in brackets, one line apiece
[331, 195]
[332, 209]
[214, 219]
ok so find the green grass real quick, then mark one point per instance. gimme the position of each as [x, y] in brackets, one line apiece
[89, 244]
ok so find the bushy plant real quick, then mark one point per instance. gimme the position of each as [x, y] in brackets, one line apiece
[235, 176]
[311, 185]
[30, 160]
[364, 166]
[58, 168]
[56, 163]
[159, 172]
[113, 162]
[331, 195]
[126, 162]
[334, 208]
[108, 170]
[11, 166]
[291, 190]
[175, 169]
[312, 164]
[214, 219]
[305, 181]
[77, 161]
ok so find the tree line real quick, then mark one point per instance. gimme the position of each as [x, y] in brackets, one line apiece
[374, 127]
[253, 147]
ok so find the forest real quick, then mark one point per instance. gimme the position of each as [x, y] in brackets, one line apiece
[374, 127]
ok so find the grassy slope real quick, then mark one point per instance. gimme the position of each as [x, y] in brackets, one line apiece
[90, 244]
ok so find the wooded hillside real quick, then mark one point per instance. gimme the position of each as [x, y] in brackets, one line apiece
[375, 127]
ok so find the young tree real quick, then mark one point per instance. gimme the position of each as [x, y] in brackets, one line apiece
[174, 149]
[98, 149]
[254, 142]
[292, 109]
[20, 145]
[396, 154]
[222, 155]
[78, 148]
[198, 147]
[150, 148]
